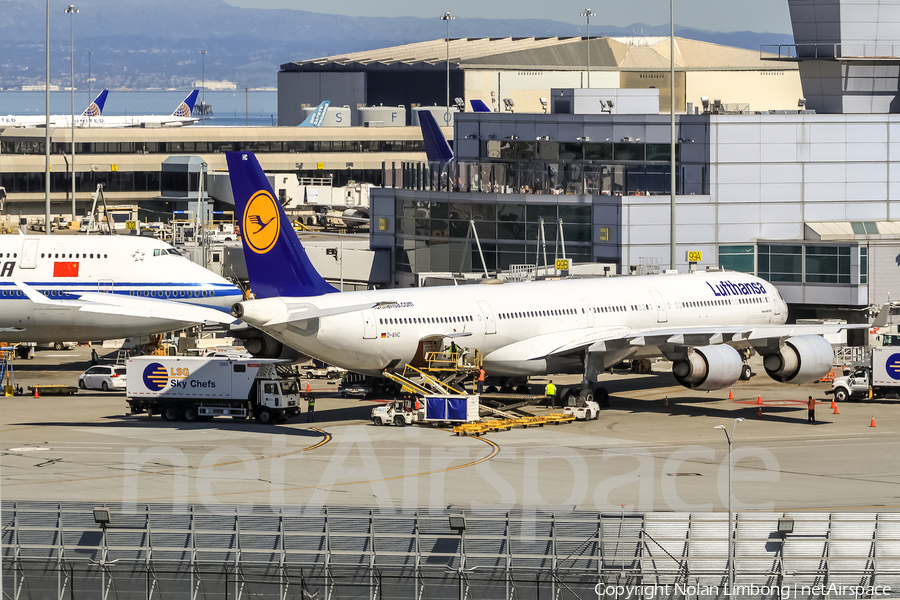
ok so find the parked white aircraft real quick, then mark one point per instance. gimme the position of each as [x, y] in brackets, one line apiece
[103, 287]
[180, 116]
[699, 321]
[94, 109]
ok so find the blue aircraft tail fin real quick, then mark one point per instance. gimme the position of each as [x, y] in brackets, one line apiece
[436, 147]
[317, 116]
[95, 108]
[479, 106]
[186, 108]
[276, 261]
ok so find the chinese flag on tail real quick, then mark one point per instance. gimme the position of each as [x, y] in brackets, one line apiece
[65, 269]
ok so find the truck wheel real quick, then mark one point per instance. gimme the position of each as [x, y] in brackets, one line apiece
[377, 421]
[746, 373]
[309, 375]
[265, 416]
[59, 346]
[331, 375]
[170, 412]
[399, 421]
[190, 413]
[841, 395]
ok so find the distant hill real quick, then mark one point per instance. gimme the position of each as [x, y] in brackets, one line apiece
[146, 45]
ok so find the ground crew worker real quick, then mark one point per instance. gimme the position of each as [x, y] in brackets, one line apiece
[811, 405]
[94, 358]
[453, 350]
[480, 380]
[310, 408]
[550, 392]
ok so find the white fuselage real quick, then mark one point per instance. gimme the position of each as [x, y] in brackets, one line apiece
[128, 265]
[512, 323]
[63, 121]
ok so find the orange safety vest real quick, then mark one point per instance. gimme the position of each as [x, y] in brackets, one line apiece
[481, 375]
[811, 404]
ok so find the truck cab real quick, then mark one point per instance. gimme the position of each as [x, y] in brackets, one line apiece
[274, 396]
[399, 412]
[853, 385]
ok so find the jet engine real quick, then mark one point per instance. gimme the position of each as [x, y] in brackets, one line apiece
[709, 368]
[801, 359]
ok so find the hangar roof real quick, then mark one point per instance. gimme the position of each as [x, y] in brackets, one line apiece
[548, 53]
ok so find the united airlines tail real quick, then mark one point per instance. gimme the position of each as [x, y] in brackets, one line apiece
[317, 116]
[276, 261]
[479, 106]
[95, 108]
[436, 147]
[186, 108]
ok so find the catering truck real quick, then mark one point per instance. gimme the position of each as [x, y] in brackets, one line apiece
[192, 388]
[881, 375]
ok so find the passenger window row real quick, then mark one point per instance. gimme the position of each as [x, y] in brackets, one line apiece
[14, 255]
[425, 320]
[528, 314]
[77, 255]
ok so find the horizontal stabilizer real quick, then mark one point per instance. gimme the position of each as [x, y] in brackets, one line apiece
[305, 315]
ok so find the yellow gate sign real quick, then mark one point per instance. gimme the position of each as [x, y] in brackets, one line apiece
[603, 235]
[695, 256]
[562, 264]
[130, 225]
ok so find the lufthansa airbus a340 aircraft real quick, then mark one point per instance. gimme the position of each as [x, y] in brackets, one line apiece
[699, 321]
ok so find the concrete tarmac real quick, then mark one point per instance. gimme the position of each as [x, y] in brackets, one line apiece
[639, 453]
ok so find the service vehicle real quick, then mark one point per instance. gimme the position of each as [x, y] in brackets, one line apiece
[356, 385]
[317, 370]
[586, 411]
[399, 412]
[103, 377]
[192, 388]
[451, 409]
[881, 375]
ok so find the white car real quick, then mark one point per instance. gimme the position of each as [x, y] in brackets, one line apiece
[590, 411]
[102, 377]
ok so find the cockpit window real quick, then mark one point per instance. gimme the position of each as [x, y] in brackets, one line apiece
[174, 251]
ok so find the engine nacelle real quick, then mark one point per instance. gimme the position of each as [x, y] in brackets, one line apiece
[709, 368]
[802, 359]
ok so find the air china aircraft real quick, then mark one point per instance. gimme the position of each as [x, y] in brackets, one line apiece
[94, 109]
[56, 288]
[180, 116]
[699, 321]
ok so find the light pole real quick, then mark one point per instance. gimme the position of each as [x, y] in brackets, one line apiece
[203, 80]
[672, 126]
[588, 13]
[246, 107]
[448, 17]
[72, 11]
[47, 133]
[730, 439]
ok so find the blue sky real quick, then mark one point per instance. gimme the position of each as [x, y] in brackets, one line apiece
[728, 15]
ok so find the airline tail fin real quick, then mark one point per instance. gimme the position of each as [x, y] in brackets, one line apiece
[276, 261]
[186, 108]
[479, 106]
[95, 108]
[436, 147]
[317, 116]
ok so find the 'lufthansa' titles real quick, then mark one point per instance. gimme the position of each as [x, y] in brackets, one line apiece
[726, 288]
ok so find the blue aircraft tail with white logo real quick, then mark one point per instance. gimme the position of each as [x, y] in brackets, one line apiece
[479, 106]
[317, 116]
[436, 147]
[95, 108]
[186, 107]
[276, 261]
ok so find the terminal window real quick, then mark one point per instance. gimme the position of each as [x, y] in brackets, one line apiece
[781, 263]
[737, 258]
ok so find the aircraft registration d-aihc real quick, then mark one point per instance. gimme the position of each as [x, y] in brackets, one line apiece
[699, 320]
[58, 288]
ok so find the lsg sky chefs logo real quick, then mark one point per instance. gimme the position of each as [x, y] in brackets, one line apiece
[156, 376]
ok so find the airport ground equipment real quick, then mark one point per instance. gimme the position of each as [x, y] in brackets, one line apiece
[881, 377]
[192, 388]
[490, 425]
[434, 409]
[587, 411]
[399, 412]
[7, 372]
[321, 370]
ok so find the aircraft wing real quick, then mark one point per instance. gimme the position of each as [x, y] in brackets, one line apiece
[105, 303]
[605, 339]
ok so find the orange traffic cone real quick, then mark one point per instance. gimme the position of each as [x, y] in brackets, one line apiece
[834, 406]
[759, 399]
[36, 395]
[308, 388]
[872, 424]
[666, 402]
[730, 394]
[759, 414]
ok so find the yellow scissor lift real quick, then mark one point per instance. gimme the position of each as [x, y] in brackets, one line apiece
[442, 375]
